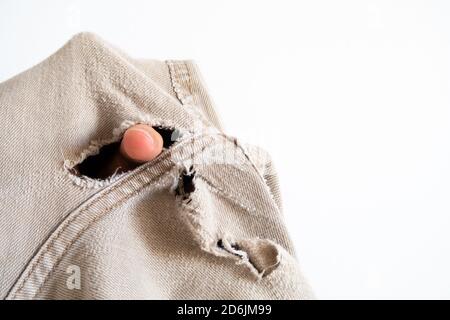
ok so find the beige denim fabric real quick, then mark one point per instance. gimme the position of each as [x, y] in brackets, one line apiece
[147, 233]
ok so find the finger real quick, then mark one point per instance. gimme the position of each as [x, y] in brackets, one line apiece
[141, 143]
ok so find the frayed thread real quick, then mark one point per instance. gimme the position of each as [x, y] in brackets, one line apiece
[261, 256]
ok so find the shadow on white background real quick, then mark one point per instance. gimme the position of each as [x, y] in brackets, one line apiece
[351, 98]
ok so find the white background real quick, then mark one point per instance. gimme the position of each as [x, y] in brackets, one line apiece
[352, 99]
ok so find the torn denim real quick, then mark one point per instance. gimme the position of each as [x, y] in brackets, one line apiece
[201, 221]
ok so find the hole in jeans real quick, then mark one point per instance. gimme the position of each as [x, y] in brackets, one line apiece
[108, 162]
[260, 255]
[169, 135]
[186, 184]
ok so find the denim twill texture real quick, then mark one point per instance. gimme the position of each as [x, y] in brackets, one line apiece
[201, 221]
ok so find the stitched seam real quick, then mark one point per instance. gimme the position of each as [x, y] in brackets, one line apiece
[57, 235]
[97, 218]
[113, 188]
[182, 85]
[179, 78]
[118, 204]
[66, 224]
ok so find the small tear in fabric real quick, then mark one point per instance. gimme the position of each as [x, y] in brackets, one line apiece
[262, 256]
[186, 184]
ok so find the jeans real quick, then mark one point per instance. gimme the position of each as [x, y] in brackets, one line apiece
[201, 221]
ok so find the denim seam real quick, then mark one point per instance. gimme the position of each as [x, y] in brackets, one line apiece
[180, 76]
[181, 83]
[97, 218]
[71, 219]
[47, 247]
